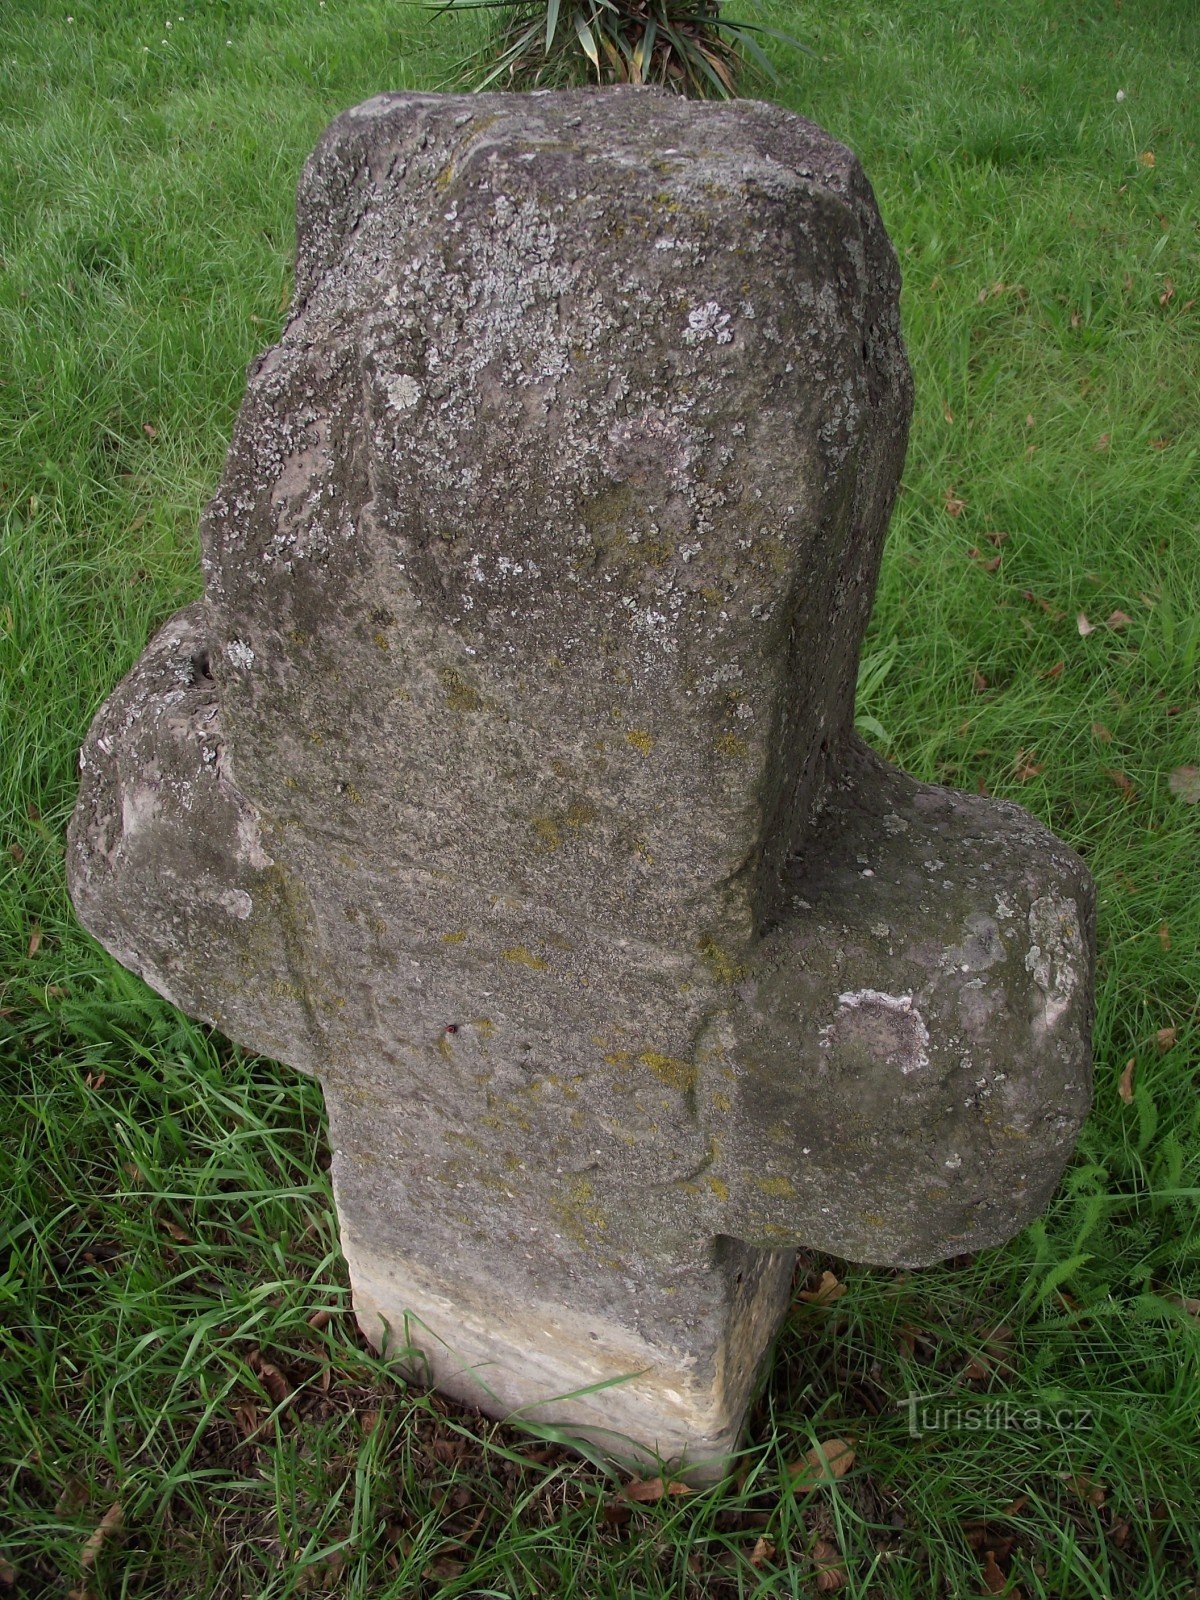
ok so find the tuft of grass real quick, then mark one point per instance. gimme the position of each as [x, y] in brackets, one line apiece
[175, 1335]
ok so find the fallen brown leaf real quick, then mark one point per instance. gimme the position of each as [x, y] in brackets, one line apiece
[273, 1380]
[1056, 671]
[994, 1581]
[149, 430]
[644, 1491]
[947, 413]
[1117, 620]
[824, 1463]
[1123, 783]
[35, 940]
[1146, 159]
[1166, 1038]
[1125, 1086]
[979, 683]
[180, 1235]
[763, 1551]
[109, 1524]
[1163, 443]
[1085, 627]
[1103, 442]
[1164, 936]
[955, 506]
[1091, 1493]
[1025, 767]
[443, 1569]
[1184, 784]
[320, 1319]
[827, 1290]
[830, 1568]
[1099, 731]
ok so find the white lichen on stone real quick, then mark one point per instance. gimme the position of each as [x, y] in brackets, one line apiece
[707, 322]
[1055, 958]
[893, 1025]
[403, 392]
[240, 655]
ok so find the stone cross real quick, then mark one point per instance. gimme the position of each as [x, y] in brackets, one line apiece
[505, 777]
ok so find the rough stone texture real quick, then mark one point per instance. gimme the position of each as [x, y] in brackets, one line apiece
[506, 776]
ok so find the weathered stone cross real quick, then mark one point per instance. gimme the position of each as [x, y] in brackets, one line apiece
[505, 777]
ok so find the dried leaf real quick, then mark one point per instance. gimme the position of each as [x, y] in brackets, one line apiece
[953, 504]
[1099, 731]
[443, 1568]
[1085, 627]
[1164, 936]
[1055, 671]
[824, 1463]
[1103, 442]
[35, 940]
[149, 430]
[1123, 783]
[246, 1419]
[644, 1491]
[979, 683]
[1166, 1039]
[320, 1319]
[994, 1581]
[180, 1235]
[830, 1568]
[995, 536]
[1092, 1494]
[1146, 159]
[109, 1524]
[763, 1551]
[1117, 620]
[1025, 766]
[1184, 784]
[827, 1290]
[1125, 1087]
[1163, 443]
[947, 413]
[1168, 292]
[272, 1379]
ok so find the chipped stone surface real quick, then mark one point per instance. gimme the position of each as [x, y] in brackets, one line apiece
[505, 776]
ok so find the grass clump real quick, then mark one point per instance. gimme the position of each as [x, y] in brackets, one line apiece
[175, 1338]
[689, 46]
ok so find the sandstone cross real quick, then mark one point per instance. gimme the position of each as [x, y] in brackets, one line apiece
[505, 777]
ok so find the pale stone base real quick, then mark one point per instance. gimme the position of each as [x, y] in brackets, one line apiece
[605, 1386]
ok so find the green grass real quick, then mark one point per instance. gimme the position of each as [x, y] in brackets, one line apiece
[166, 1204]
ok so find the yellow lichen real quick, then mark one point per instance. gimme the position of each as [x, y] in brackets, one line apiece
[517, 953]
[460, 695]
[676, 1074]
[640, 740]
[731, 747]
[719, 1187]
[781, 1187]
[719, 962]
[456, 937]
[547, 831]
